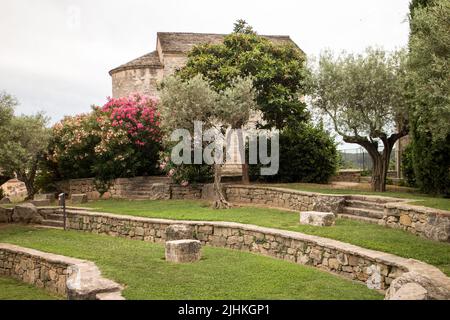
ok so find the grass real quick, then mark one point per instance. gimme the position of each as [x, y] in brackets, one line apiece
[220, 274]
[366, 235]
[418, 198]
[12, 289]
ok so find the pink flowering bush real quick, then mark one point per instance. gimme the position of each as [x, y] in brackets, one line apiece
[120, 139]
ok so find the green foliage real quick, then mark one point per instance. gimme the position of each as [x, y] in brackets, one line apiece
[429, 69]
[119, 140]
[431, 160]
[7, 105]
[364, 96]
[24, 140]
[186, 101]
[417, 4]
[408, 166]
[429, 78]
[307, 154]
[278, 72]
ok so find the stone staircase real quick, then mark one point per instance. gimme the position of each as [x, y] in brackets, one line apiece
[363, 208]
[53, 218]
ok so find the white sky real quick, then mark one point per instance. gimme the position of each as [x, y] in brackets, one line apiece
[55, 54]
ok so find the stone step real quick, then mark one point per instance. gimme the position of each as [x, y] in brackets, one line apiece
[362, 212]
[358, 218]
[47, 227]
[365, 205]
[52, 223]
[55, 216]
[373, 199]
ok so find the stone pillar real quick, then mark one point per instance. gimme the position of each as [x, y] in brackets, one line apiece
[179, 232]
[182, 251]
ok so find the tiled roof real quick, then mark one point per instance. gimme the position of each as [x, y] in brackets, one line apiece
[183, 42]
[150, 60]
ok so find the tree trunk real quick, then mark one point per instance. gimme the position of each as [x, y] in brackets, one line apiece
[380, 160]
[380, 168]
[378, 175]
[245, 174]
[28, 184]
[220, 202]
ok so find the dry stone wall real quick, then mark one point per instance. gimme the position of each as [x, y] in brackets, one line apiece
[429, 223]
[376, 269]
[285, 198]
[425, 222]
[76, 279]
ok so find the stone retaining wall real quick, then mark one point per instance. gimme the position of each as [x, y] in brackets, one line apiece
[376, 269]
[155, 188]
[429, 223]
[425, 222]
[73, 278]
[285, 198]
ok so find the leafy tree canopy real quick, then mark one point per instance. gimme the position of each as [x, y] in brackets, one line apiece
[278, 72]
[364, 96]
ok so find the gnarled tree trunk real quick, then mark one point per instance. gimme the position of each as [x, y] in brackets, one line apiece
[380, 160]
[220, 201]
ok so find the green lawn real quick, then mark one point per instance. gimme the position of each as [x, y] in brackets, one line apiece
[366, 235]
[12, 289]
[221, 274]
[419, 199]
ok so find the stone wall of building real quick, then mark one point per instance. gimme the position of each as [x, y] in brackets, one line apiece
[284, 198]
[425, 222]
[73, 278]
[172, 62]
[142, 80]
[376, 269]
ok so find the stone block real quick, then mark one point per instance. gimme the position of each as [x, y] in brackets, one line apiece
[319, 219]
[79, 198]
[405, 220]
[6, 215]
[410, 291]
[179, 232]
[26, 213]
[182, 251]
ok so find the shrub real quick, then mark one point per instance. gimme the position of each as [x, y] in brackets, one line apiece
[408, 166]
[185, 174]
[431, 163]
[120, 139]
[307, 154]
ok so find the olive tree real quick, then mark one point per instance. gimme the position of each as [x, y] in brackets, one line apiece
[7, 105]
[24, 140]
[186, 101]
[364, 96]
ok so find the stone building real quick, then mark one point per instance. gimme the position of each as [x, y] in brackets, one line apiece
[144, 73]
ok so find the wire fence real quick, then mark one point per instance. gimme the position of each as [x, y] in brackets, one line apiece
[358, 158]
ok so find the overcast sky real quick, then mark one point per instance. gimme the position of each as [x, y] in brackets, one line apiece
[55, 54]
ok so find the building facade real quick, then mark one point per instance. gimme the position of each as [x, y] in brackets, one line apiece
[143, 74]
